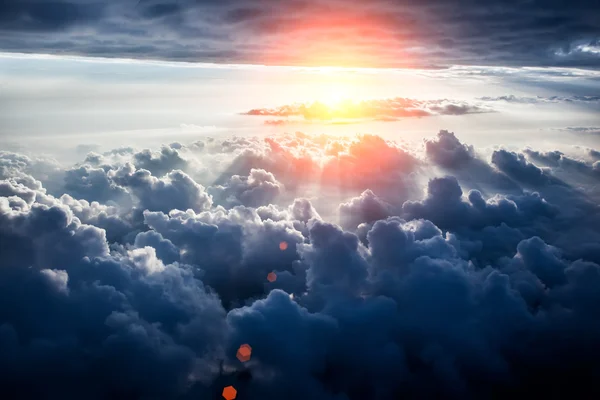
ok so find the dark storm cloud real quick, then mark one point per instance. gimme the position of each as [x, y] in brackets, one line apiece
[372, 33]
[141, 284]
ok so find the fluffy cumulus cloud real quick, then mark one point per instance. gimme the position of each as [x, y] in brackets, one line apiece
[355, 268]
[259, 188]
[516, 166]
[175, 190]
[447, 151]
[372, 33]
[365, 208]
[562, 163]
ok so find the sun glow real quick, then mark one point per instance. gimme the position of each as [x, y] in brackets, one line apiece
[334, 98]
[333, 95]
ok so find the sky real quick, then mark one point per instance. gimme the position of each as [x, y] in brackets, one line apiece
[299, 199]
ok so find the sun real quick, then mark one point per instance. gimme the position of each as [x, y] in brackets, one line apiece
[333, 96]
[333, 99]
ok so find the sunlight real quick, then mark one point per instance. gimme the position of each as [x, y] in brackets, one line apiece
[333, 94]
[334, 98]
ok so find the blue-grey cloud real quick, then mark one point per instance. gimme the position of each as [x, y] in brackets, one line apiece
[374, 32]
[558, 160]
[258, 188]
[136, 285]
[584, 130]
[517, 167]
[540, 99]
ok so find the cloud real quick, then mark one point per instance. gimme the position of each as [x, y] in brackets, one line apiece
[384, 109]
[561, 162]
[445, 206]
[175, 190]
[447, 151]
[93, 184]
[159, 164]
[445, 291]
[516, 166]
[580, 49]
[374, 33]
[365, 208]
[19, 168]
[258, 188]
[235, 249]
[541, 100]
[275, 122]
[585, 130]
[343, 165]
[48, 17]
[110, 218]
[123, 346]
[588, 48]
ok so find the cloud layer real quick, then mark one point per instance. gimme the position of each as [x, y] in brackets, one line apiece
[378, 110]
[408, 273]
[310, 32]
[540, 99]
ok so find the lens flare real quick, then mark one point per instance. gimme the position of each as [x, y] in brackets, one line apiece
[229, 393]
